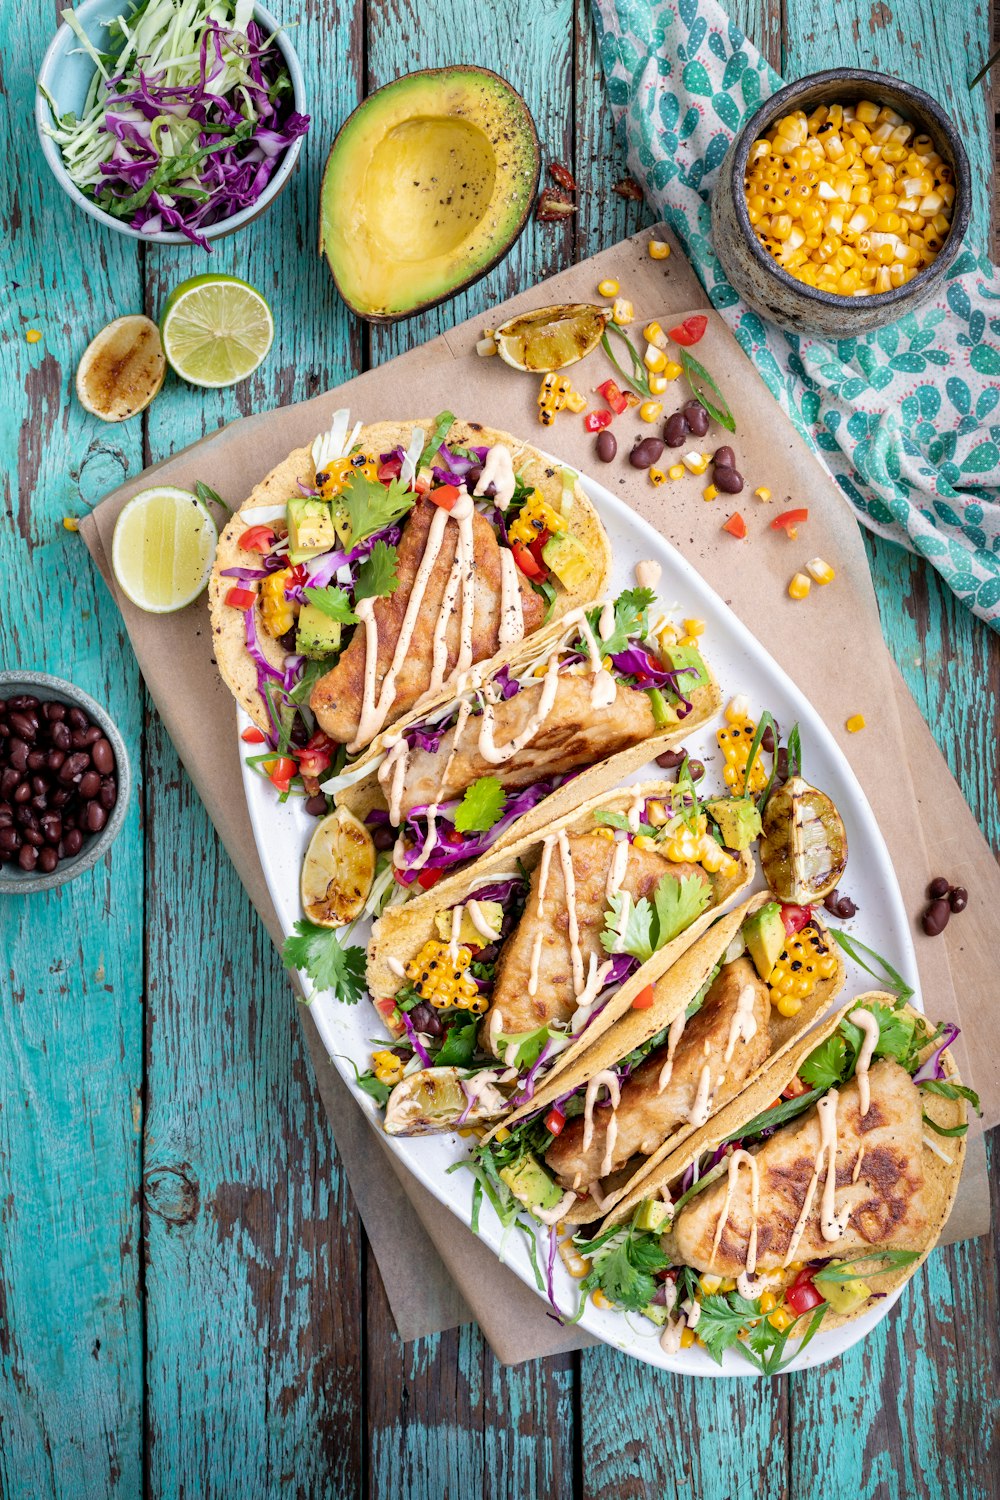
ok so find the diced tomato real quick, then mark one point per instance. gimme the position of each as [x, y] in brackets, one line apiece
[789, 521]
[555, 1120]
[280, 772]
[802, 1295]
[427, 878]
[257, 539]
[316, 754]
[241, 598]
[644, 999]
[594, 421]
[795, 918]
[253, 735]
[535, 548]
[524, 560]
[690, 331]
[736, 526]
[614, 396]
[794, 1089]
[391, 469]
[445, 495]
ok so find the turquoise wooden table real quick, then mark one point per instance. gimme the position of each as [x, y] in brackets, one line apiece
[187, 1305]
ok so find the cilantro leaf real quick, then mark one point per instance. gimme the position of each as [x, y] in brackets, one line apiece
[631, 619]
[318, 952]
[371, 506]
[333, 602]
[377, 574]
[481, 806]
[724, 1316]
[827, 1065]
[623, 1267]
[640, 929]
[522, 1049]
[628, 926]
[678, 903]
[458, 1046]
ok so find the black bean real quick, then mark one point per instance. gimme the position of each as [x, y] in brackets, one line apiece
[959, 899]
[767, 740]
[645, 453]
[724, 456]
[22, 701]
[73, 767]
[39, 784]
[696, 417]
[10, 840]
[938, 887]
[696, 770]
[103, 756]
[9, 779]
[72, 842]
[727, 480]
[33, 837]
[51, 826]
[315, 805]
[846, 907]
[62, 737]
[22, 791]
[59, 797]
[28, 857]
[488, 954]
[473, 477]
[47, 860]
[607, 446]
[6, 816]
[383, 837]
[54, 711]
[95, 817]
[108, 795]
[23, 816]
[675, 430]
[40, 801]
[781, 764]
[77, 718]
[90, 785]
[23, 725]
[671, 759]
[36, 760]
[17, 754]
[936, 917]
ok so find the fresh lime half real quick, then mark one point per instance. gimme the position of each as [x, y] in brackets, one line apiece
[215, 330]
[163, 548]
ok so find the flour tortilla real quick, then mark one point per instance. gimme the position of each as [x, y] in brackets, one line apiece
[402, 931]
[238, 669]
[941, 1178]
[673, 993]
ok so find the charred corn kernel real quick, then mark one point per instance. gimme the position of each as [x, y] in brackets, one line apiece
[622, 311]
[799, 586]
[676, 471]
[333, 478]
[734, 741]
[657, 384]
[672, 369]
[696, 463]
[643, 841]
[650, 411]
[658, 250]
[788, 1005]
[781, 1319]
[688, 1337]
[709, 492]
[486, 346]
[388, 1068]
[819, 571]
[656, 814]
[552, 394]
[609, 287]
[654, 359]
[71, 523]
[694, 627]
[276, 611]
[683, 848]
[568, 1253]
[605, 833]
[33, 335]
[653, 334]
[738, 709]
[536, 516]
[575, 400]
[854, 723]
[502, 1134]
[656, 476]
[599, 1300]
[709, 1284]
[728, 1284]
[762, 493]
[807, 958]
[442, 980]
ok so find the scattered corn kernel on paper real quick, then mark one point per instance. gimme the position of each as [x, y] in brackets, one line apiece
[830, 644]
[905, 419]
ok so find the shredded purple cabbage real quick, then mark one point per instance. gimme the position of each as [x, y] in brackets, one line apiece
[452, 848]
[324, 569]
[425, 739]
[413, 1036]
[508, 686]
[245, 575]
[527, 1090]
[932, 1067]
[550, 1268]
[500, 890]
[265, 672]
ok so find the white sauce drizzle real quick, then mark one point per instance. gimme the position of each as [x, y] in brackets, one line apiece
[635, 812]
[479, 922]
[744, 1023]
[498, 470]
[647, 574]
[392, 778]
[395, 967]
[701, 1105]
[536, 954]
[749, 1288]
[609, 1145]
[430, 842]
[493, 1031]
[831, 1224]
[617, 868]
[456, 923]
[495, 754]
[553, 1215]
[857, 1165]
[587, 998]
[569, 881]
[673, 1037]
[735, 1162]
[604, 1079]
[511, 613]
[670, 1338]
[867, 1023]
[692, 1312]
[800, 1223]
[606, 624]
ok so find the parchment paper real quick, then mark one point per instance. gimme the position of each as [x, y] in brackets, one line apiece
[831, 645]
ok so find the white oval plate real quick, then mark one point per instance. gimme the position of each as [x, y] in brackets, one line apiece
[741, 666]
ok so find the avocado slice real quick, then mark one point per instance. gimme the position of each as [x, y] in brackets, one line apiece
[845, 1296]
[652, 1214]
[310, 529]
[490, 915]
[568, 560]
[687, 660]
[531, 1184]
[764, 935]
[738, 820]
[316, 634]
[427, 186]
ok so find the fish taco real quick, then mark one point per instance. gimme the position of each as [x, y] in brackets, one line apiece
[367, 569]
[702, 1034]
[574, 710]
[508, 971]
[818, 1190]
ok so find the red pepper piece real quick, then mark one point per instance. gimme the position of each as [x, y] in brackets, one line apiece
[257, 539]
[563, 176]
[240, 598]
[253, 735]
[535, 548]
[444, 495]
[280, 772]
[795, 918]
[789, 522]
[390, 470]
[736, 526]
[527, 564]
[614, 396]
[427, 878]
[802, 1294]
[644, 999]
[594, 421]
[690, 331]
[555, 1120]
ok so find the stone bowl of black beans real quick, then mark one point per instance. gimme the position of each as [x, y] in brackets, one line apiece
[64, 782]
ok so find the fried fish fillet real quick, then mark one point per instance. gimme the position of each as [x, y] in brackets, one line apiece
[573, 734]
[555, 997]
[887, 1208]
[336, 698]
[646, 1115]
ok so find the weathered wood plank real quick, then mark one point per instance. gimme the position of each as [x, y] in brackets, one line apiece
[254, 1250]
[70, 962]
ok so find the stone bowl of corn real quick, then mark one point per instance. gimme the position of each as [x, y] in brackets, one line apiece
[841, 203]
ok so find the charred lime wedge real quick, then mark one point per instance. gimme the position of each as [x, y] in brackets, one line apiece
[550, 338]
[437, 1098]
[338, 870]
[803, 850]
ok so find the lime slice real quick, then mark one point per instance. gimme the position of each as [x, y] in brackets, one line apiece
[163, 549]
[550, 338]
[215, 330]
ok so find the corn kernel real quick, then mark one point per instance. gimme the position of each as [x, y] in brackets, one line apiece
[709, 493]
[854, 723]
[688, 1337]
[799, 586]
[781, 1319]
[671, 369]
[71, 523]
[694, 627]
[709, 1284]
[650, 411]
[643, 841]
[676, 471]
[608, 287]
[696, 463]
[656, 476]
[658, 384]
[768, 1302]
[622, 311]
[658, 250]
[33, 335]
[762, 493]
[728, 1284]
[654, 359]
[788, 1006]
[653, 334]
[599, 1300]
[605, 833]
[568, 1254]
[502, 1134]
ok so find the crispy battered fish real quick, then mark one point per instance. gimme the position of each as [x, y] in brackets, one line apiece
[646, 1116]
[336, 699]
[554, 999]
[573, 734]
[887, 1201]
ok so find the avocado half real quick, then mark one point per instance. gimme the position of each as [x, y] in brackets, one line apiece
[427, 186]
